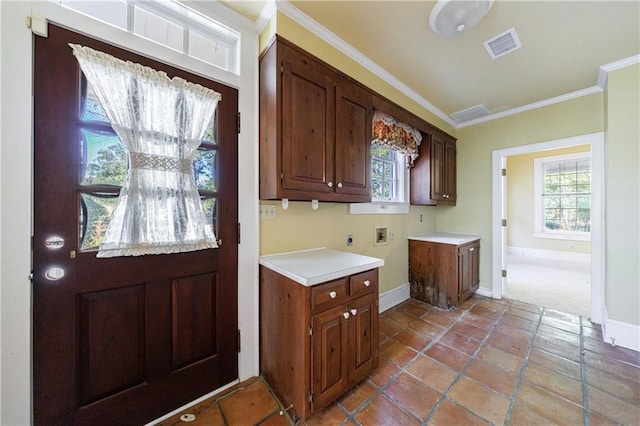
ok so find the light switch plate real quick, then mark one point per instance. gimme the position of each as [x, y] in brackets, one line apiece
[267, 211]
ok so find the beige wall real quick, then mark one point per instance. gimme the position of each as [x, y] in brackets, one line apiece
[520, 204]
[622, 200]
[476, 144]
[299, 227]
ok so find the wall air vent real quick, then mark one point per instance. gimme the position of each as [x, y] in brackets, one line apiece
[502, 44]
[470, 113]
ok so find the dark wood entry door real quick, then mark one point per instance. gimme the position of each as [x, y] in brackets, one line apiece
[122, 340]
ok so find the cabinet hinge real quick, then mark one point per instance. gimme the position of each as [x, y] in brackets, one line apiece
[504, 222]
[504, 273]
[281, 68]
[310, 331]
[310, 396]
[238, 122]
[281, 176]
[239, 340]
[504, 172]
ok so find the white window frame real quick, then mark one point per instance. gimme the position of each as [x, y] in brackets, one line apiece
[180, 15]
[538, 204]
[397, 205]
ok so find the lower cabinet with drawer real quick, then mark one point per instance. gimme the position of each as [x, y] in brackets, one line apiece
[317, 342]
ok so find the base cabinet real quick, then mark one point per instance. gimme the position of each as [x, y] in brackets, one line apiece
[317, 342]
[444, 275]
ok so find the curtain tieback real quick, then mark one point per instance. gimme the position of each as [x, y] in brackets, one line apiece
[140, 160]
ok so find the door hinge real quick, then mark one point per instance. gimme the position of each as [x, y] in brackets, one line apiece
[239, 342]
[239, 232]
[504, 172]
[238, 122]
[504, 273]
[310, 331]
[504, 222]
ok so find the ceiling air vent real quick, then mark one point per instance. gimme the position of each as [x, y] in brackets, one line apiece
[502, 44]
[470, 113]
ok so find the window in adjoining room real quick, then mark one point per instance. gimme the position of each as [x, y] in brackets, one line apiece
[562, 194]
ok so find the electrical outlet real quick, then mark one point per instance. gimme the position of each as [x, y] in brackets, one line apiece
[267, 211]
[349, 240]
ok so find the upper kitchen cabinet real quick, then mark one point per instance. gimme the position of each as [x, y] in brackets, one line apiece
[433, 177]
[315, 129]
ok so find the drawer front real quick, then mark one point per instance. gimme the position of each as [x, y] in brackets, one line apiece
[363, 283]
[328, 294]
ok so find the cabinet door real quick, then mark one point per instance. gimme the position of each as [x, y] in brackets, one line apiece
[363, 337]
[353, 140]
[438, 163]
[450, 183]
[468, 270]
[308, 120]
[329, 365]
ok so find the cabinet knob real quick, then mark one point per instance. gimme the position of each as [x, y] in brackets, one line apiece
[472, 249]
[330, 184]
[354, 311]
[332, 294]
[367, 283]
[346, 315]
[339, 184]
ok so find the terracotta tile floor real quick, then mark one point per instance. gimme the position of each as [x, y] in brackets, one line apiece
[486, 362]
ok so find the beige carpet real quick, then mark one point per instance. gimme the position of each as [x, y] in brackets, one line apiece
[555, 284]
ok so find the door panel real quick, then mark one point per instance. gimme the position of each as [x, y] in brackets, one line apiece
[122, 340]
[363, 337]
[353, 139]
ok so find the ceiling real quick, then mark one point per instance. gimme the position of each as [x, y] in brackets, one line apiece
[564, 44]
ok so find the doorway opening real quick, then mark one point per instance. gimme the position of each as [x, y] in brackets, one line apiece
[517, 266]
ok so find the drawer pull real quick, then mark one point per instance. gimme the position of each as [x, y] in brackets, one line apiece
[346, 315]
[367, 283]
[354, 311]
[332, 294]
[330, 184]
[472, 249]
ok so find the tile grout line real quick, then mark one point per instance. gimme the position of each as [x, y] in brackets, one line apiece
[583, 377]
[525, 364]
[483, 343]
[380, 389]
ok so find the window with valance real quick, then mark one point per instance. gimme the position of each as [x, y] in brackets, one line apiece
[399, 136]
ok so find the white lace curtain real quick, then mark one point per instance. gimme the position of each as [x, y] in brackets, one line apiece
[161, 121]
[401, 137]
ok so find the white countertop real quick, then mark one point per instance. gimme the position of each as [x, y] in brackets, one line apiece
[315, 266]
[445, 237]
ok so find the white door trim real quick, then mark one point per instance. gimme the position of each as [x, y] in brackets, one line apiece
[596, 140]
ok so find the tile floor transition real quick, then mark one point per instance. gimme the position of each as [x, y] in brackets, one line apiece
[486, 362]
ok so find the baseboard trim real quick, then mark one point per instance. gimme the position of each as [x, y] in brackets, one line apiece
[549, 254]
[393, 297]
[486, 292]
[618, 333]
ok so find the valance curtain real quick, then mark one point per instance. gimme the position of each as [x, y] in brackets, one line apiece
[161, 121]
[395, 134]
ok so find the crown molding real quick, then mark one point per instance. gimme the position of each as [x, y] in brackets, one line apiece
[604, 71]
[546, 102]
[272, 6]
[266, 14]
[329, 37]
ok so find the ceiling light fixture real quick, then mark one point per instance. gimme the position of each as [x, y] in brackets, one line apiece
[452, 17]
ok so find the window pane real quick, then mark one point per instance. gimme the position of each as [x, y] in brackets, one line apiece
[211, 134]
[158, 29]
[95, 214]
[205, 169]
[113, 12]
[209, 206]
[208, 50]
[90, 109]
[103, 158]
